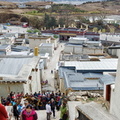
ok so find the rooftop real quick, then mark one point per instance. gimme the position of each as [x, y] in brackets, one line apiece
[85, 81]
[98, 112]
[46, 44]
[96, 66]
[17, 68]
[3, 46]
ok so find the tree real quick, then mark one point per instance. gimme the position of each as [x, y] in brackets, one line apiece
[61, 22]
[35, 22]
[49, 22]
[53, 22]
[46, 20]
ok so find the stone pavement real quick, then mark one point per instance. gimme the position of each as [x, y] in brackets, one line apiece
[42, 115]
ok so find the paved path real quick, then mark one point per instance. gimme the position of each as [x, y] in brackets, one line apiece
[48, 76]
[42, 115]
[52, 65]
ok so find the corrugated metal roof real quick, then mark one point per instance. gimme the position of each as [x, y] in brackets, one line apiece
[76, 81]
[103, 64]
[46, 44]
[92, 75]
[3, 46]
[19, 47]
[107, 79]
[12, 66]
[85, 81]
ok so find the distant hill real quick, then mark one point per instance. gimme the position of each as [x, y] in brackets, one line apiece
[8, 4]
[62, 1]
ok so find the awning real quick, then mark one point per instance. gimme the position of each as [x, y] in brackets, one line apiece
[67, 34]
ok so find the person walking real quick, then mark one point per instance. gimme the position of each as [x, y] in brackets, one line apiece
[53, 107]
[28, 113]
[15, 112]
[3, 112]
[48, 110]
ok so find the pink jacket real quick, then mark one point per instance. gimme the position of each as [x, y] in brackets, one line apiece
[31, 116]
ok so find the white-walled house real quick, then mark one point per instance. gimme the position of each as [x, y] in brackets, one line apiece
[46, 48]
[77, 40]
[55, 42]
[80, 49]
[21, 5]
[36, 41]
[19, 74]
[115, 93]
[5, 48]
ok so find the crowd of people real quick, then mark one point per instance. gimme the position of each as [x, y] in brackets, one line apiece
[25, 106]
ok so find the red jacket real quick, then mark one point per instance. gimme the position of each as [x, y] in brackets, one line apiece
[3, 113]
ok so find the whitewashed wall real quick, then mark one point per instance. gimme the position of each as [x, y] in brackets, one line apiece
[68, 49]
[46, 49]
[115, 95]
[5, 89]
[36, 42]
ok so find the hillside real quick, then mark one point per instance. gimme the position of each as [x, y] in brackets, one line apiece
[8, 4]
[110, 7]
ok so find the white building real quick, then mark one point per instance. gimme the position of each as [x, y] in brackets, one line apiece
[55, 42]
[79, 49]
[5, 48]
[77, 40]
[81, 45]
[21, 5]
[36, 41]
[115, 94]
[19, 74]
[46, 48]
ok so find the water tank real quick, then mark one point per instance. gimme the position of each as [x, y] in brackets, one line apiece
[36, 51]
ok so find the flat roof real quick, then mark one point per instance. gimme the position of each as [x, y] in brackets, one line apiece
[78, 38]
[102, 65]
[46, 44]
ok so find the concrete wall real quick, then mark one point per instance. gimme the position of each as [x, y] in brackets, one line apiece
[114, 52]
[82, 50]
[62, 88]
[55, 43]
[78, 50]
[36, 42]
[33, 85]
[115, 95]
[46, 49]
[73, 49]
[5, 89]
[92, 51]
[115, 38]
[68, 49]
